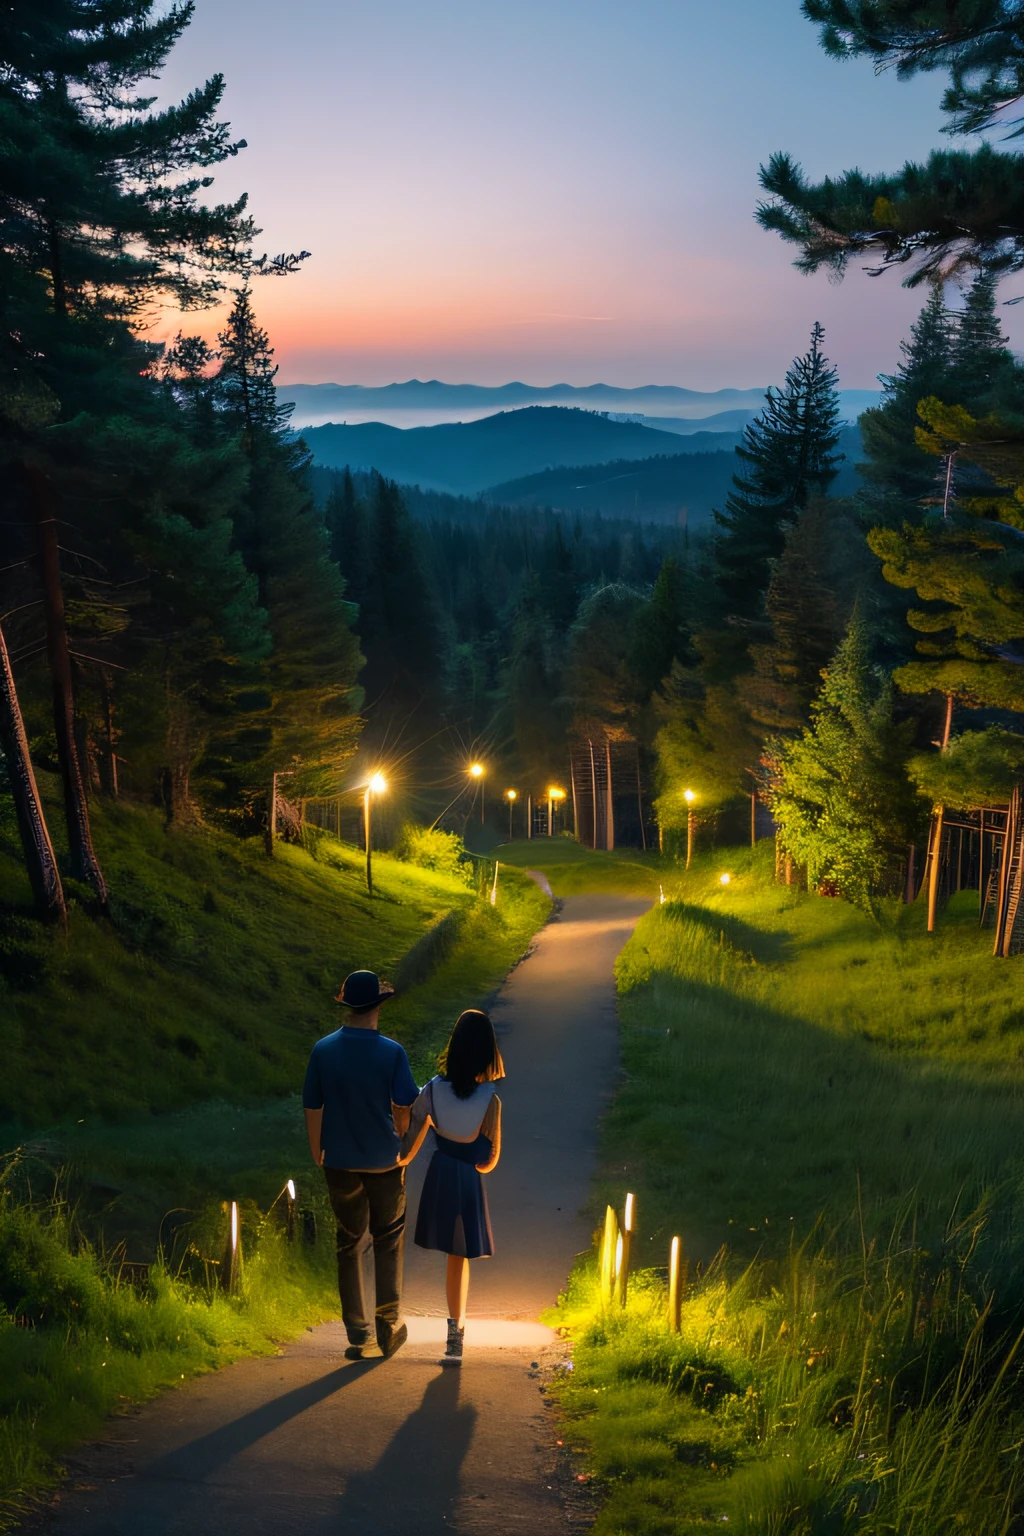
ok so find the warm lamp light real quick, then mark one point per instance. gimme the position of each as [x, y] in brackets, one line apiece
[477, 770]
[378, 784]
[724, 879]
[556, 794]
[290, 1187]
[628, 1215]
[689, 796]
[511, 794]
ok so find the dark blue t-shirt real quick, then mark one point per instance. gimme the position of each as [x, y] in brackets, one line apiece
[354, 1076]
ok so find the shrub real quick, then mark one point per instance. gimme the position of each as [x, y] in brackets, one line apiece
[430, 848]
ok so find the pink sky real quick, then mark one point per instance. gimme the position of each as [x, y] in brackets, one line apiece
[559, 190]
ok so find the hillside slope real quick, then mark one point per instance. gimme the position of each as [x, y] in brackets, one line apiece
[673, 487]
[213, 976]
[467, 457]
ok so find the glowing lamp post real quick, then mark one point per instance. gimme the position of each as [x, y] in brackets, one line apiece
[476, 771]
[689, 797]
[555, 797]
[376, 786]
[511, 796]
[724, 879]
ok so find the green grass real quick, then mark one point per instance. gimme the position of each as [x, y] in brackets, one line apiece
[214, 975]
[79, 1339]
[574, 871]
[151, 1069]
[833, 1107]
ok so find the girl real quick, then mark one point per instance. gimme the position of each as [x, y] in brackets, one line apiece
[462, 1106]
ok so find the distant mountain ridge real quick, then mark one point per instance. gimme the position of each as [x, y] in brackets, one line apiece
[418, 394]
[669, 402]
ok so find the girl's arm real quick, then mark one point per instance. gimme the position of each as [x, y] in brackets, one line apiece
[491, 1128]
[419, 1124]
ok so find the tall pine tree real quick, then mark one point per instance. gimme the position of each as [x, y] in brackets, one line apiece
[894, 466]
[789, 456]
[315, 661]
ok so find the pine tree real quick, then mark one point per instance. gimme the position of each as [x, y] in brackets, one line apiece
[958, 208]
[893, 463]
[840, 793]
[807, 609]
[789, 451]
[661, 634]
[981, 361]
[315, 660]
[347, 521]
[399, 624]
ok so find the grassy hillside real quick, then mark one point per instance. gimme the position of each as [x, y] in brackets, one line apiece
[832, 1108]
[213, 976]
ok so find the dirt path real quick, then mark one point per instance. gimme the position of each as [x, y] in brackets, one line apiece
[307, 1441]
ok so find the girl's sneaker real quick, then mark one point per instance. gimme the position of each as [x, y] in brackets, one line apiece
[453, 1351]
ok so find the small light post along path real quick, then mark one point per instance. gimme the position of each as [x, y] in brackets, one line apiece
[689, 797]
[376, 786]
[478, 772]
[511, 795]
[555, 797]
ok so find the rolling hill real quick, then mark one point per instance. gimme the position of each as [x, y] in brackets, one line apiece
[680, 487]
[467, 457]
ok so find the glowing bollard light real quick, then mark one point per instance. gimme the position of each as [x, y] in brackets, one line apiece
[623, 1256]
[724, 879]
[690, 797]
[676, 1285]
[290, 1210]
[232, 1268]
[608, 1249]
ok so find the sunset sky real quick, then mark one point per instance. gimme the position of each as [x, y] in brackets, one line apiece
[556, 190]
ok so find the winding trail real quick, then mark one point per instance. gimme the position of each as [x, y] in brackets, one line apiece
[309, 1442]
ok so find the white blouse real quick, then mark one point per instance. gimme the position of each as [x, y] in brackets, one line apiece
[458, 1119]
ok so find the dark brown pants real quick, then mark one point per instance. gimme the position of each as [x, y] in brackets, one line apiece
[369, 1208]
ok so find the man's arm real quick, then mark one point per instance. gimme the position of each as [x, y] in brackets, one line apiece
[314, 1124]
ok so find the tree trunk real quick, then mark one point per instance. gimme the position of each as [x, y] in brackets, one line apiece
[933, 868]
[84, 863]
[35, 837]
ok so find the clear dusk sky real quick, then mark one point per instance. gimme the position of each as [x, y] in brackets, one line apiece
[548, 190]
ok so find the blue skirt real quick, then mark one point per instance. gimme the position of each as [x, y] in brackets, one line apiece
[453, 1215]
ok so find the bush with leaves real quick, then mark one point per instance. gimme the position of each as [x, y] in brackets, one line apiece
[430, 848]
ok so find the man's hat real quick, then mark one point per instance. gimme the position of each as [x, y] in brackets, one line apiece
[364, 990]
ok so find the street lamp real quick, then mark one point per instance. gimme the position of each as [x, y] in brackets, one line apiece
[376, 785]
[476, 771]
[511, 795]
[689, 797]
[554, 795]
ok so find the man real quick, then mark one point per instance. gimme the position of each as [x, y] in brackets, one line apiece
[356, 1096]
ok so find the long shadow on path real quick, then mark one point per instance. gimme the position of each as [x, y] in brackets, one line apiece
[415, 1484]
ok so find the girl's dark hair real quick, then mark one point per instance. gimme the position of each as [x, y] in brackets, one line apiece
[471, 1054]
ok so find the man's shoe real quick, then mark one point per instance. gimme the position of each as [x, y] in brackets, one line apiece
[359, 1349]
[391, 1339]
[453, 1351]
